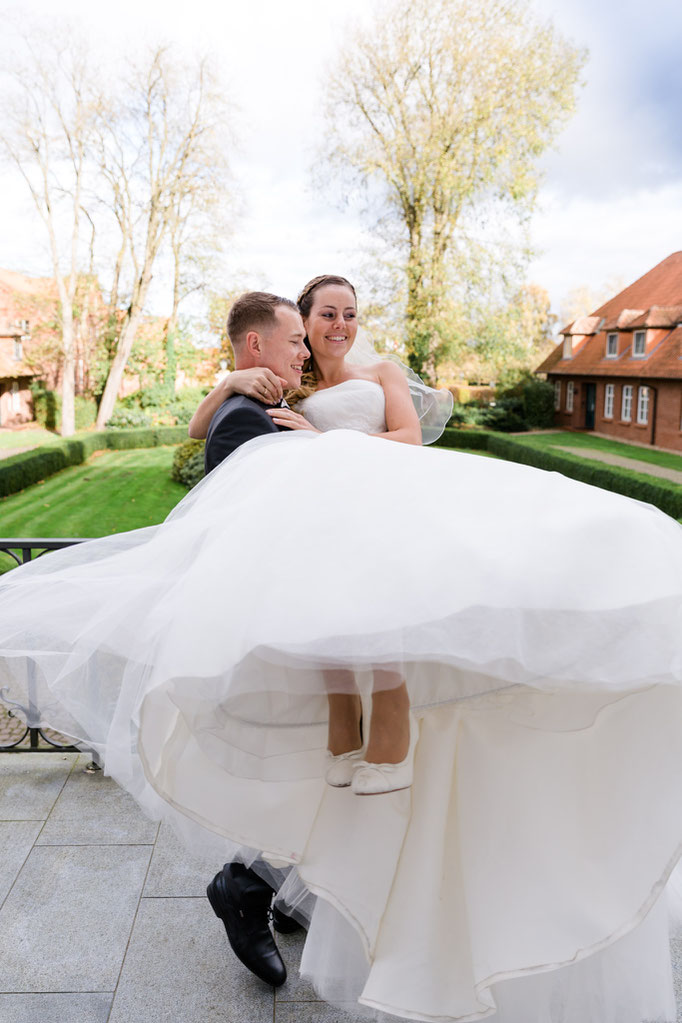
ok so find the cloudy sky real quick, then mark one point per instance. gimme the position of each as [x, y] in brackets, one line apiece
[611, 203]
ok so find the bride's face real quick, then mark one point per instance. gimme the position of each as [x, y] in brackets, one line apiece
[333, 321]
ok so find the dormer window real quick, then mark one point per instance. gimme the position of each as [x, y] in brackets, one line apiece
[611, 346]
[568, 347]
[639, 344]
[18, 349]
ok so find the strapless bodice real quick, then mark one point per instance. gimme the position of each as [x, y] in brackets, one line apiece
[351, 405]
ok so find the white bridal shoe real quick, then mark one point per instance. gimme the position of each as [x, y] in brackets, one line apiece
[342, 766]
[373, 779]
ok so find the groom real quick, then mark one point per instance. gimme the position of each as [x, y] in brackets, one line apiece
[266, 332]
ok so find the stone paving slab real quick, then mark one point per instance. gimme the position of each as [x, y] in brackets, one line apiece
[177, 968]
[92, 810]
[636, 465]
[295, 989]
[72, 1008]
[66, 922]
[313, 1012]
[31, 782]
[16, 842]
[174, 871]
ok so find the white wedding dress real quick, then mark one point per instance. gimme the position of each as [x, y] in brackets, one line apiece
[538, 622]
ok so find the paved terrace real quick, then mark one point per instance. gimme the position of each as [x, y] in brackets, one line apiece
[104, 919]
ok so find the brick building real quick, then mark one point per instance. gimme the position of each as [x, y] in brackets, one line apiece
[619, 371]
[18, 304]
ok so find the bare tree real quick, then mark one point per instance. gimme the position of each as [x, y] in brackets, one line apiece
[158, 149]
[51, 103]
[438, 107]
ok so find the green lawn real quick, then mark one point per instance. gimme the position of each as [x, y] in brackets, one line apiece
[32, 437]
[112, 492]
[568, 439]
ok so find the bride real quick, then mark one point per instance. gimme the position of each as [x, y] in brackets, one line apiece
[536, 624]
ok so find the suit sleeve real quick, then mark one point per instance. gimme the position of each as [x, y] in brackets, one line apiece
[235, 429]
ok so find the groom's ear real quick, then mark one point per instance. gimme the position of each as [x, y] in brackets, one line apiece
[254, 344]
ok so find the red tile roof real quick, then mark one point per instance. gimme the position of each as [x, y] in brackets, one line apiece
[12, 370]
[653, 301]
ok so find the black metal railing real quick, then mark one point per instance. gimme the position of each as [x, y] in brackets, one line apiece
[23, 551]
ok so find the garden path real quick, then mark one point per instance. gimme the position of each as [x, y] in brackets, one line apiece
[624, 463]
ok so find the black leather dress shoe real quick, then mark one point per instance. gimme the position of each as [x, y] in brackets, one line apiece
[241, 899]
[284, 924]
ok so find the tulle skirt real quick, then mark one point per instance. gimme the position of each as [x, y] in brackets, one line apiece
[538, 624]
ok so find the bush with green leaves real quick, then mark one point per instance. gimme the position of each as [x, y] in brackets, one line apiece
[47, 409]
[538, 403]
[188, 463]
[157, 406]
[468, 414]
[127, 418]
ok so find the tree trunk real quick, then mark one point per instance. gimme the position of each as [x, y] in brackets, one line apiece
[123, 350]
[68, 424]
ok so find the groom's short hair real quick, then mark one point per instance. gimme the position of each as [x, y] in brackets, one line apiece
[256, 310]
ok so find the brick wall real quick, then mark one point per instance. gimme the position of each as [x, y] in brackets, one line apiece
[666, 404]
[15, 407]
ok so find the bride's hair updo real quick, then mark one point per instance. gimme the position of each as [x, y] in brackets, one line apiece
[304, 302]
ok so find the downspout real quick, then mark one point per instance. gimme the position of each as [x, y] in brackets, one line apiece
[653, 414]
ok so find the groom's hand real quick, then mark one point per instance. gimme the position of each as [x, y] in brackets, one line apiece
[259, 383]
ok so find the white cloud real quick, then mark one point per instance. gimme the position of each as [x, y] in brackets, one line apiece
[611, 204]
[588, 240]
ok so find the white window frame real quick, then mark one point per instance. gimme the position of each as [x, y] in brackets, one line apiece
[626, 403]
[643, 399]
[18, 349]
[16, 397]
[609, 339]
[557, 395]
[569, 395]
[638, 336]
[609, 400]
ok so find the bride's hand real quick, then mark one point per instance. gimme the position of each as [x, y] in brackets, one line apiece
[261, 384]
[292, 420]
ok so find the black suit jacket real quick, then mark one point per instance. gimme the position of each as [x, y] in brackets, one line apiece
[237, 420]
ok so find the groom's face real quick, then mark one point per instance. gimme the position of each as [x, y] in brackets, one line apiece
[282, 348]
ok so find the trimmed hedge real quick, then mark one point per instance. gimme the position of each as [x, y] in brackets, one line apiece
[20, 471]
[664, 494]
[475, 440]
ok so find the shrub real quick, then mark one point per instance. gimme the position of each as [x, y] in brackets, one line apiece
[466, 415]
[663, 494]
[47, 409]
[154, 406]
[506, 415]
[188, 463]
[538, 403]
[127, 418]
